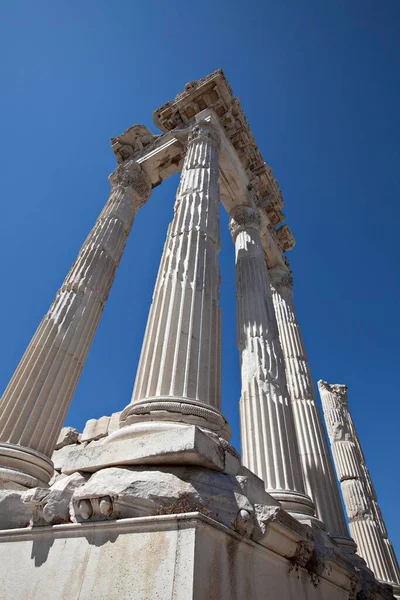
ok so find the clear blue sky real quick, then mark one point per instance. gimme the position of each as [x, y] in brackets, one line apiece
[320, 84]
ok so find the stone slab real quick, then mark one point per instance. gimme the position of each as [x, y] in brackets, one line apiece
[176, 446]
[68, 435]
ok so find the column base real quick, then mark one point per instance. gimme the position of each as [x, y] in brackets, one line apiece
[23, 467]
[396, 588]
[345, 544]
[299, 505]
[178, 410]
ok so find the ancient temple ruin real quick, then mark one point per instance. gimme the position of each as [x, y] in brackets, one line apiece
[153, 502]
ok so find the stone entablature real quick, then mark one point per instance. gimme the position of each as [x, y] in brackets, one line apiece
[215, 92]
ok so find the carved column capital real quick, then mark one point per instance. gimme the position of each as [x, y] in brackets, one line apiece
[338, 391]
[242, 218]
[280, 278]
[204, 130]
[131, 175]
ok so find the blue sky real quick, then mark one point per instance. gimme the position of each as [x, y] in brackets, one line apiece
[320, 84]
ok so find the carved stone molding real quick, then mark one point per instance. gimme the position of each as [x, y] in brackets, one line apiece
[204, 131]
[134, 142]
[131, 175]
[242, 218]
[285, 238]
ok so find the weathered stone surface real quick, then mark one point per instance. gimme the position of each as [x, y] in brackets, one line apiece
[52, 506]
[95, 429]
[178, 444]
[60, 456]
[254, 488]
[13, 512]
[144, 491]
[68, 435]
[113, 423]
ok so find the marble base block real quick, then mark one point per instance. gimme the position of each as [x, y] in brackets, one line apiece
[168, 557]
[165, 445]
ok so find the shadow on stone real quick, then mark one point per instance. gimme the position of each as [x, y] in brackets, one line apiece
[41, 549]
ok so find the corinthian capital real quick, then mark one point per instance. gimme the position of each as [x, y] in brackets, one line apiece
[280, 278]
[204, 130]
[131, 175]
[339, 391]
[242, 218]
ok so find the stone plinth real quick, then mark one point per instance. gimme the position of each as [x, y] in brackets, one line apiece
[174, 557]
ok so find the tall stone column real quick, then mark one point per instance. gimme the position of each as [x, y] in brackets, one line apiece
[178, 377]
[366, 523]
[319, 476]
[35, 403]
[269, 445]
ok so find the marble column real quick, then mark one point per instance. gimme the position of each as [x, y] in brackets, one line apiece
[269, 445]
[35, 402]
[366, 523]
[179, 373]
[319, 476]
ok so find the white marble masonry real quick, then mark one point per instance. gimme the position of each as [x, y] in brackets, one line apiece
[319, 477]
[35, 403]
[179, 373]
[269, 445]
[366, 523]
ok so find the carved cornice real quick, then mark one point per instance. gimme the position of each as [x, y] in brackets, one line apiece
[204, 131]
[285, 238]
[242, 218]
[214, 91]
[131, 175]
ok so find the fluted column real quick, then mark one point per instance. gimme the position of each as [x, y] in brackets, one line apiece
[319, 476]
[269, 445]
[366, 523]
[36, 401]
[178, 377]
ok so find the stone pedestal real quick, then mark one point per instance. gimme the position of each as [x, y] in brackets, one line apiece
[319, 476]
[35, 403]
[269, 445]
[172, 557]
[366, 523]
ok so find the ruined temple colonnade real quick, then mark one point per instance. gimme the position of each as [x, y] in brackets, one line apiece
[172, 439]
[178, 375]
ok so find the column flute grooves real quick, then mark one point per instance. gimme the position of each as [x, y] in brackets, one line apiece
[317, 468]
[179, 367]
[36, 400]
[267, 430]
[366, 523]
